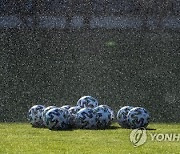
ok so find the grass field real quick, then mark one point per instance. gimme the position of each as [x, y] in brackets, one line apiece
[54, 67]
[22, 138]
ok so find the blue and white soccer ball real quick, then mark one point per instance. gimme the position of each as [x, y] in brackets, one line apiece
[104, 116]
[86, 118]
[122, 116]
[57, 119]
[109, 109]
[87, 101]
[35, 115]
[138, 117]
[73, 111]
[44, 113]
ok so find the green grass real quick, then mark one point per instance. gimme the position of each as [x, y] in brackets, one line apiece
[22, 138]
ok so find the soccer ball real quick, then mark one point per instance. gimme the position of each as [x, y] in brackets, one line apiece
[104, 116]
[67, 107]
[138, 117]
[110, 110]
[44, 113]
[57, 118]
[86, 118]
[35, 115]
[122, 116]
[87, 101]
[72, 111]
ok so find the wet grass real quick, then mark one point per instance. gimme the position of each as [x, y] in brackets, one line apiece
[22, 138]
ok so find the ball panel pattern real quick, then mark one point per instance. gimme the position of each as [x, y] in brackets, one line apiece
[138, 117]
[86, 118]
[104, 116]
[44, 113]
[109, 109]
[73, 111]
[122, 116]
[87, 101]
[35, 115]
[67, 107]
[57, 118]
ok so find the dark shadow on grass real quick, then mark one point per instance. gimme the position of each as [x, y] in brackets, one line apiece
[143, 128]
[111, 128]
[39, 127]
[44, 127]
[59, 130]
[107, 128]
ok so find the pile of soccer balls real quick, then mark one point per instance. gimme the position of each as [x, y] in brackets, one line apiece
[133, 117]
[86, 114]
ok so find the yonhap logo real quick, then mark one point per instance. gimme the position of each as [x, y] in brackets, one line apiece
[138, 136]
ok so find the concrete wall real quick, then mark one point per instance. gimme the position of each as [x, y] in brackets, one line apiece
[122, 22]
